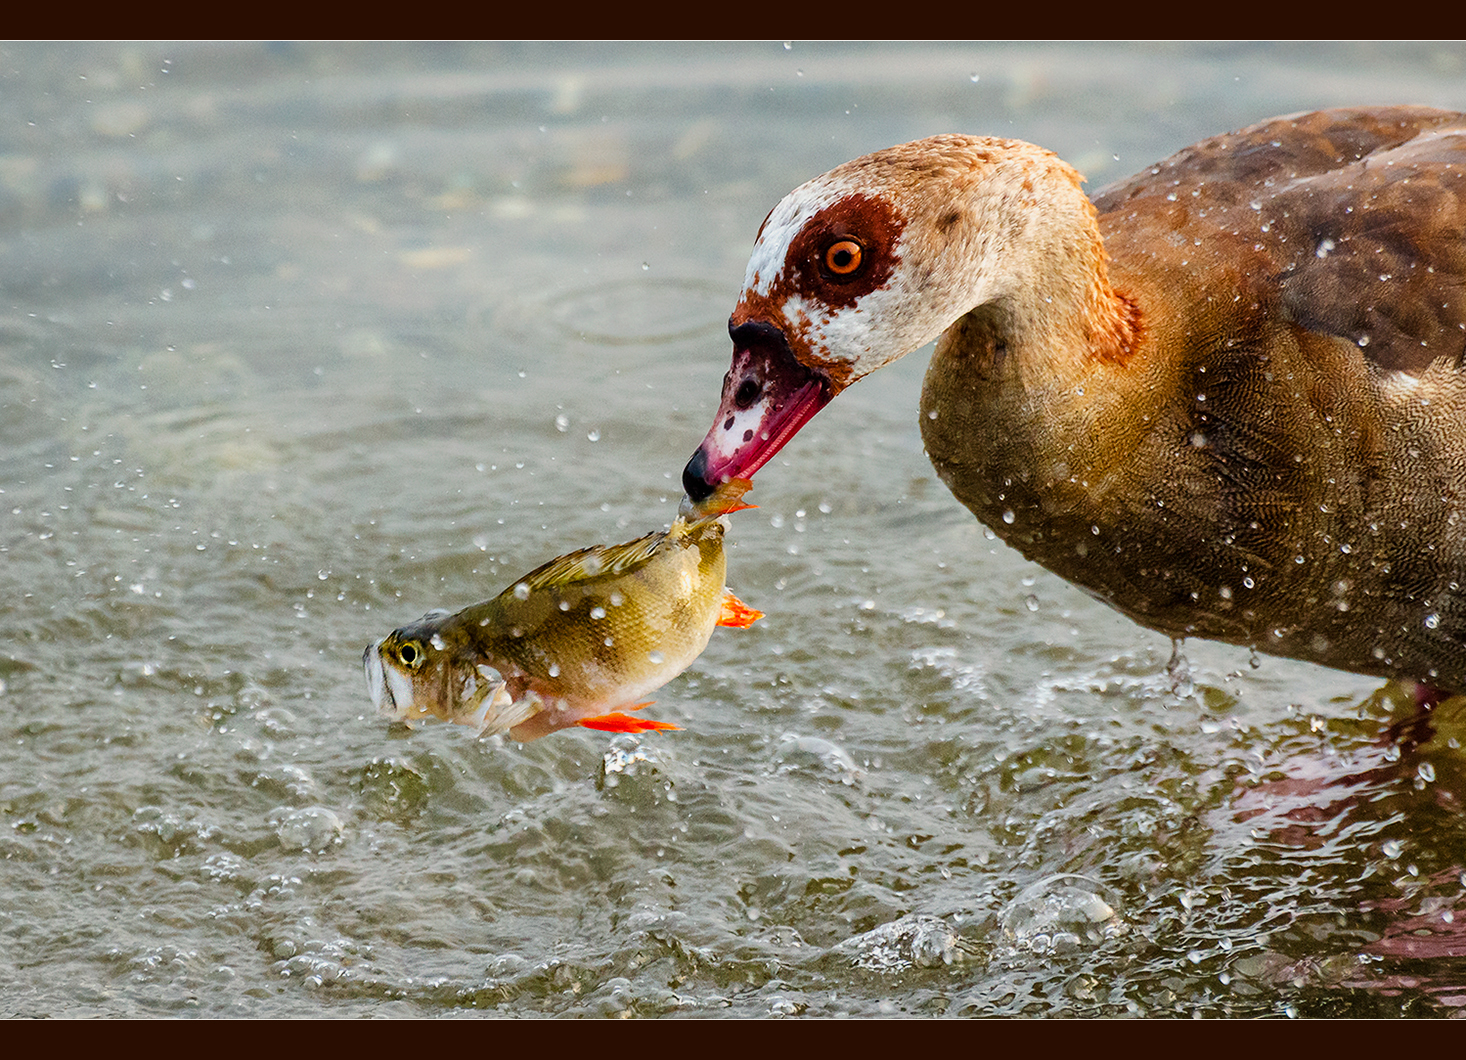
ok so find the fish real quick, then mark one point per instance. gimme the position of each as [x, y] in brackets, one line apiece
[577, 641]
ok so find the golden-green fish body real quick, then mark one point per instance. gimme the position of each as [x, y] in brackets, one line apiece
[569, 642]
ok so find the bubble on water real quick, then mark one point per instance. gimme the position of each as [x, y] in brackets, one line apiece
[1062, 914]
[910, 942]
[312, 828]
[623, 758]
[796, 753]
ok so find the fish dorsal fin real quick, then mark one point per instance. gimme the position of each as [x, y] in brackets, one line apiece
[592, 562]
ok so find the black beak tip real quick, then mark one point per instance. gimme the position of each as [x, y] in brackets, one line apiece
[694, 480]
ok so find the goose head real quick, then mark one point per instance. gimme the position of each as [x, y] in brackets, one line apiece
[868, 262]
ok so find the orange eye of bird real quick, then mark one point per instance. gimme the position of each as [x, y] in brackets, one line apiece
[844, 258]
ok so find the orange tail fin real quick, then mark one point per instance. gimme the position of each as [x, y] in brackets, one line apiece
[618, 722]
[736, 613]
[729, 497]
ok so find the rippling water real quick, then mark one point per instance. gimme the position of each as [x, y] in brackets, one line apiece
[299, 342]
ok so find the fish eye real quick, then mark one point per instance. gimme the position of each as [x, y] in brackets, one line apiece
[843, 259]
[410, 654]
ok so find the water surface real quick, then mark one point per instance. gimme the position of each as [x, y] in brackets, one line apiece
[298, 342]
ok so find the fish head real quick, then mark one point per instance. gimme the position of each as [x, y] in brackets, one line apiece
[432, 669]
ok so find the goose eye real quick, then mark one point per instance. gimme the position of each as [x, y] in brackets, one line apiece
[843, 259]
[410, 654]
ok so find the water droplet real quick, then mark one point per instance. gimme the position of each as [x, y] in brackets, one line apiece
[617, 599]
[521, 591]
[1248, 583]
[1426, 772]
[554, 669]
[1392, 848]
[562, 423]
[564, 605]
[656, 658]
[593, 436]
[598, 612]
[1008, 517]
[1432, 620]
[1031, 602]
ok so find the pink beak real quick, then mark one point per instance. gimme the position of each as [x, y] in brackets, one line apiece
[767, 397]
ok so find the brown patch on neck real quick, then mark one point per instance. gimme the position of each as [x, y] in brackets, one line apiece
[1115, 321]
[1118, 332]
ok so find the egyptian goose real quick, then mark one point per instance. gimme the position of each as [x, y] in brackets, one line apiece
[1226, 397]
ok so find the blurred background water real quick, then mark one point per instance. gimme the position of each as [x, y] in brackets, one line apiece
[299, 341]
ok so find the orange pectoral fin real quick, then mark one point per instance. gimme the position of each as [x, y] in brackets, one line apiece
[736, 613]
[618, 722]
